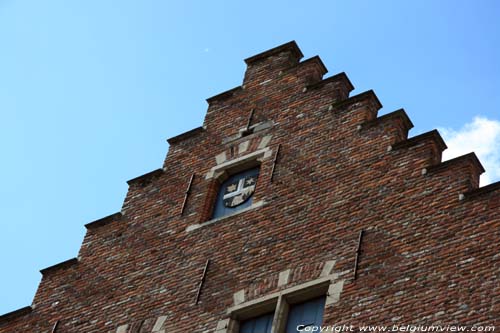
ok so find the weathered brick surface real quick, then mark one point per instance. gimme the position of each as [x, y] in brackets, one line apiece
[426, 256]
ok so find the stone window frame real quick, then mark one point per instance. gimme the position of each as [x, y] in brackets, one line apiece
[219, 173]
[280, 302]
[222, 171]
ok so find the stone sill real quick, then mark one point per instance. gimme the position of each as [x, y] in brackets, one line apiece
[213, 221]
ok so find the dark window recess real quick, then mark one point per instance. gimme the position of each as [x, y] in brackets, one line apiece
[247, 132]
[236, 193]
[307, 314]
[261, 324]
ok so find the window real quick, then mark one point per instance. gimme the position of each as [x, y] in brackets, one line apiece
[298, 308]
[235, 193]
[307, 314]
[261, 324]
[300, 317]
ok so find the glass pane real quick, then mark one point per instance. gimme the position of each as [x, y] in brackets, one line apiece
[261, 324]
[307, 314]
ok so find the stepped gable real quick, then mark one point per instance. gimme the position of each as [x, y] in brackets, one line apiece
[346, 205]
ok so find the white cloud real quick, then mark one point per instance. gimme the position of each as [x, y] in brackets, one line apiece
[481, 136]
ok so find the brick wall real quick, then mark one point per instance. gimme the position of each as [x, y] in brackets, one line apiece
[429, 252]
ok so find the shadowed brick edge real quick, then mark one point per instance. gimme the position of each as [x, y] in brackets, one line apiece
[224, 95]
[185, 135]
[395, 114]
[16, 313]
[231, 92]
[337, 77]
[145, 176]
[432, 135]
[482, 190]
[103, 221]
[467, 157]
[290, 47]
[358, 98]
[318, 61]
[61, 265]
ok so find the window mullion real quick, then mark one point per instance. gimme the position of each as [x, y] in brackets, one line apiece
[280, 316]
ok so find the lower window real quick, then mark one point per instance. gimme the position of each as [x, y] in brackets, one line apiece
[307, 314]
[299, 318]
[261, 324]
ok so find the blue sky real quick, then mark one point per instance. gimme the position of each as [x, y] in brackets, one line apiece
[90, 90]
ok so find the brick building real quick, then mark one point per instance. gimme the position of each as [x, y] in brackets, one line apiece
[293, 204]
